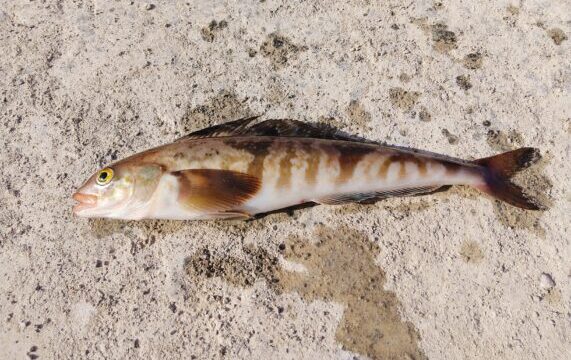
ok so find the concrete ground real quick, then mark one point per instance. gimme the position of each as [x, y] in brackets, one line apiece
[452, 275]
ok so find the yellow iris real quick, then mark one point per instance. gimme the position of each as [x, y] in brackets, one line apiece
[104, 176]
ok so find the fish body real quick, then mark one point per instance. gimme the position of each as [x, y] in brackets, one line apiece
[237, 170]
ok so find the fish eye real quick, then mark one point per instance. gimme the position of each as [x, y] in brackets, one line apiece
[104, 176]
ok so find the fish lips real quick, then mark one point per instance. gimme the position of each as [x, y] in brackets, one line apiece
[85, 201]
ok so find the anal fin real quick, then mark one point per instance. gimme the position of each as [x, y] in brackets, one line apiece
[231, 215]
[371, 197]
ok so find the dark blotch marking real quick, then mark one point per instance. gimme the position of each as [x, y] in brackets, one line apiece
[451, 168]
[259, 148]
[312, 155]
[285, 164]
[401, 159]
[384, 169]
[349, 156]
[421, 166]
[402, 169]
[342, 269]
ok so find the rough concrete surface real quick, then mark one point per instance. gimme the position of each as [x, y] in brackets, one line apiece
[452, 275]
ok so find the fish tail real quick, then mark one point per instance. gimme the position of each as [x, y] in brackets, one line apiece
[497, 171]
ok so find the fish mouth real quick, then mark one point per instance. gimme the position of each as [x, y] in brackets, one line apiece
[85, 201]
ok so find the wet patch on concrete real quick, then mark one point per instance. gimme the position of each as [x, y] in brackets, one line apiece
[404, 100]
[471, 252]
[280, 50]
[532, 180]
[210, 32]
[341, 268]
[557, 35]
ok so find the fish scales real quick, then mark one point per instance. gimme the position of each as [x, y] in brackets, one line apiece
[247, 172]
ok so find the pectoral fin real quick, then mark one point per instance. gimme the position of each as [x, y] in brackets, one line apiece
[216, 191]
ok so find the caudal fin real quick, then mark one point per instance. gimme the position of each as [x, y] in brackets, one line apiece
[500, 168]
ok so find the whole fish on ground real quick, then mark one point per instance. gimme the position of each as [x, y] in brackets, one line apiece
[242, 168]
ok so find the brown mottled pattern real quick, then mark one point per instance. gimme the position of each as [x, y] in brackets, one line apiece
[285, 165]
[349, 156]
[259, 148]
[451, 168]
[421, 166]
[314, 158]
[384, 169]
[402, 169]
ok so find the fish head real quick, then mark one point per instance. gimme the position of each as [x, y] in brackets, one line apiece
[120, 191]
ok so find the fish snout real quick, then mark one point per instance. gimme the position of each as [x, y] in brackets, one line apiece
[85, 201]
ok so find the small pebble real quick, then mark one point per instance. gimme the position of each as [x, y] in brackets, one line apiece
[546, 281]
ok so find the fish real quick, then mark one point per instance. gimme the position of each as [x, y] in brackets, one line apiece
[245, 168]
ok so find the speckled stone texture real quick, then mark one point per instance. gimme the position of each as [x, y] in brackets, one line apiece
[452, 275]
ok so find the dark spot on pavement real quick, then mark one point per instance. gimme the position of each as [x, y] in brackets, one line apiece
[405, 100]
[471, 252]
[473, 61]
[444, 39]
[452, 139]
[280, 50]
[557, 35]
[209, 32]
[464, 82]
[358, 115]
[424, 115]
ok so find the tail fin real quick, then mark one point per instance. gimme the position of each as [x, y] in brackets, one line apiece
[500, 168]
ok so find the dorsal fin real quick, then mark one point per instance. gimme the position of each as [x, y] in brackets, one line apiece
[230, 128]
[274, 127]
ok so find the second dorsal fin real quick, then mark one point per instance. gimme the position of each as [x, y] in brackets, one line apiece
[273, 127]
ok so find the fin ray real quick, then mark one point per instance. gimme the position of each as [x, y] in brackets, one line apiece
[274, 127]
[371, 197]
